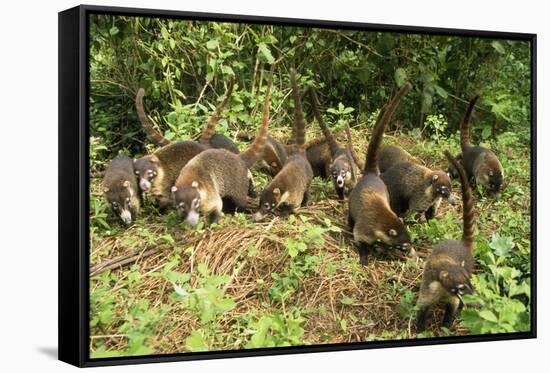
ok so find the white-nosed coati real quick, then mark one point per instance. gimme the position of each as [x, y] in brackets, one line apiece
[391, 155]
[318, 155]
[448, 268]
[290, 187]
[274, 156]
[370, 216]
[341, 164]
[208, 137]
[157, 172]
[414, 188]
[216, 176]
[121, 190]
[481, 164]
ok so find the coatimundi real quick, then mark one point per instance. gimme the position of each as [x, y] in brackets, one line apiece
[391, 155]
[208, 137]
[318, 156]
[481, 164]
[290, 187]
[341, 166]
[157, 172]
[415, 189]
[216, 176]
[121, 190]
[448, 268]
[370, 216]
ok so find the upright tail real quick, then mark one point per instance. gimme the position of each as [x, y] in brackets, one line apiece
[254, 153]
[151, 132]
[210, 128]
[299, 119]
[351, 151]
[371, 163]
[332, 143]
[468, 213]
[467, 124]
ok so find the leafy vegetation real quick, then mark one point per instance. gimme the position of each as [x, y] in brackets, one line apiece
[237, 284]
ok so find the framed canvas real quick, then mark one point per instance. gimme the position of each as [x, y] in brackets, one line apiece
[235, 186]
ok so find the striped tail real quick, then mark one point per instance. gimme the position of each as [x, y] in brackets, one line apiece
[210, 128]
[332, 143]
[467, 124]
[146, 123]
[351, 151]
[468, 213]
[371, 163]
[254, 153]
[299, 126]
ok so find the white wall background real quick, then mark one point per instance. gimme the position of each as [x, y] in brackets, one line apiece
[28, 198]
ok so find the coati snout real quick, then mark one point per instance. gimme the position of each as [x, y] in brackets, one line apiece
[122, 202]
[188, 202]
[146, 170]
[442, 187]
[340, 171]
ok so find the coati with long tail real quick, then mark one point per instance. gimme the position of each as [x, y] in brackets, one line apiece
[390, 155]
[481, 164]
[208, 137]
[448, 268]
[370, 216]
[414, 188]
[341, 164]
[157, 172]
[120, 189]
[216, 176]
[289, 189]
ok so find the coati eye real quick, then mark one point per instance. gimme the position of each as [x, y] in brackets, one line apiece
[392, 232]
[267, 205]
[137, 172]
[272, 205]
[461, 287]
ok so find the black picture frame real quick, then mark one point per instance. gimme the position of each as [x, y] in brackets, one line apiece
[73, 254]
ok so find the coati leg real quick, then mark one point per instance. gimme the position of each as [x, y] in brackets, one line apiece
[213, 217]
[363, 253]
[285, 210]
[215, 210]
[430, 212]
[351, 222]
[421, 318]
[450, 312]
[340, 192]
[305, 200]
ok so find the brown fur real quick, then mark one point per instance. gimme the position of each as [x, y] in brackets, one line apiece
[210, 127]
[416, 189]
[391, 155]
[370, 216]
[481, 164]
[449, 267]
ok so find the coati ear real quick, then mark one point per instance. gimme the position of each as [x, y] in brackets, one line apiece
[463, 263]
[154, 159]
[174, 189]
[435, 177]
[195, 184]
[277, 193]
[443, 274]
[126, 184]
[491, 173]
[392, 232]
[273, 164]
[105, 189]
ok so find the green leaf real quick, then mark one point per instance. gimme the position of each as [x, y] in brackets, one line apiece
[164, 33]
[114, 30]
[441, 92]
[347, 300]
[498, 47]
[501, 245]
[212, 44]
[265, 53]
[195, 342]
[488, 315]
[400, 77]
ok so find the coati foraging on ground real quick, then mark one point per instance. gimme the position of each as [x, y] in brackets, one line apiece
[481, 164]
[289, 189]
[448, 268]
[391, 155]
[370, 216]
[208, 137]
[416, 189]
[121, 190]
[216, 176]
[158, 172]
[341, 166]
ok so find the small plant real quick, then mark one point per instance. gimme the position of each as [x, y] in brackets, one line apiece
[341, 114]
[436, 125]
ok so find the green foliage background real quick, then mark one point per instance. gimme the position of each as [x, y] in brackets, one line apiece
[185, 66]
